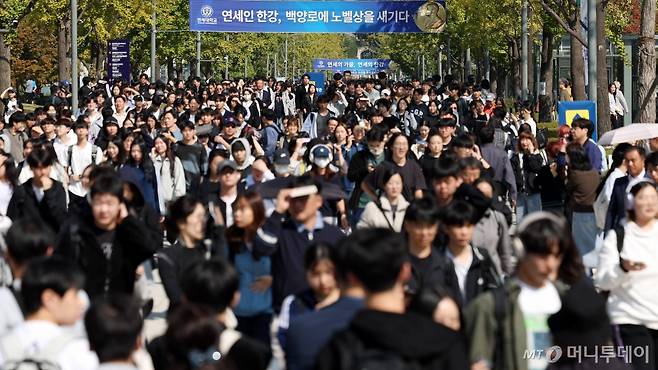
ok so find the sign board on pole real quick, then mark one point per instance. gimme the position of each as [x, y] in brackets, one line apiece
[118, 59]
[570, 110]
[317, 16]
[317, 79]
[356, 66]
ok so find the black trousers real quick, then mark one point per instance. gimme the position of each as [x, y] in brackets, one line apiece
[640, 339]
[256, 327]
[616, 121]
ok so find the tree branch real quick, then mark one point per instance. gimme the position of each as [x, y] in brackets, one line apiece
[562, 23]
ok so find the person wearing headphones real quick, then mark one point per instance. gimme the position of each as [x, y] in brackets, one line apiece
[505, 322]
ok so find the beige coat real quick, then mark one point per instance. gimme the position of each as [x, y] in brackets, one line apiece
[373, 217]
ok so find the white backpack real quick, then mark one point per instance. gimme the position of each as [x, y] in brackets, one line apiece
[16, 357]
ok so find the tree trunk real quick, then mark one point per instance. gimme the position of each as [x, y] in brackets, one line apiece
[493, 78]
[516, 67]
[546, 75]
[531, 59]
[5, 66]
[647, 61]
[101, 61]
[171, 73]
[603, 104]
[577, 63]
[64, 47]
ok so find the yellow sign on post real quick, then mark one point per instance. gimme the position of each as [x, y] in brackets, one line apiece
[570, 110]
[572, 114]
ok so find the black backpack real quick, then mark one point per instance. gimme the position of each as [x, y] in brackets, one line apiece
[362, 358]
[542, 137]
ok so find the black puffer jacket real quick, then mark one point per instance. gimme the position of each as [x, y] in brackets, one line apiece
[526, 176]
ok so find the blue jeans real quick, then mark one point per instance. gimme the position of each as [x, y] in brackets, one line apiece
[583, 229]
[526, 204]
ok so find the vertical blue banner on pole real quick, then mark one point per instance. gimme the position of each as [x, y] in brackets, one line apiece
[118, 59]
[317, 79]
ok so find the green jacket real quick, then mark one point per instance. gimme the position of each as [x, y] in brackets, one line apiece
[481, 327]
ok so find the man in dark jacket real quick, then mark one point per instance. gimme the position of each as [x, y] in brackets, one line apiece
[39, 198]
[109, 246]
[287, 238]
[362, 164]
[634, 158]
[503, 175]
[384, 336]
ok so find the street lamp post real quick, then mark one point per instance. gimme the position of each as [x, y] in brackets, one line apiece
[154, 75]
[74, 55]
[524, 50]
[198, 54]
[591, 50]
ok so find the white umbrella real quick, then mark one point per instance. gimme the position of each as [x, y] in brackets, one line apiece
[630, 134]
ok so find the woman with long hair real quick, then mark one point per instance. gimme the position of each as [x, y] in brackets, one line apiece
[407, 119]
[616, 108]
[431, 156]
[169, 173]
[8, 181]
[210, 182]
[527, 163]
[254, 312]
[627, 269]
[188, 227]
[320, 265]
[388, 211]
[140, 171]
[115, 155]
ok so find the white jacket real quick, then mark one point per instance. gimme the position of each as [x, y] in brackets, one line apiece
[373, 217]
[632, 299]
[169, 187]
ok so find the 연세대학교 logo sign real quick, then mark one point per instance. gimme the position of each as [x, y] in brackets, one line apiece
[206, 15]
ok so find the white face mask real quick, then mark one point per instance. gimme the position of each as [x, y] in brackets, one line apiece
[151, 92]
[322, 162]
[376, 151]
[281, 169]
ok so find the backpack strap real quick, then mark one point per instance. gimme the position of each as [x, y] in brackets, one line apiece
[379, 206]
[620, 231]
[18, 297]
[70, 155]
[94, 154]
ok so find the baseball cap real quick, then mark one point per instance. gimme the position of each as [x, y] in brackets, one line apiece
[363, 98]
[321, 151]
[227, 163]
[386, 92]
[281, 157]
[110, 121]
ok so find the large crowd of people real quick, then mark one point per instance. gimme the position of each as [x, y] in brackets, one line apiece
[372, 224]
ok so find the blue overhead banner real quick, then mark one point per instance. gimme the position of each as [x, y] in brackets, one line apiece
[316, 16]
[356, 66]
